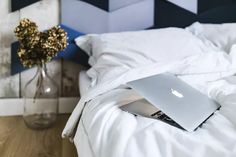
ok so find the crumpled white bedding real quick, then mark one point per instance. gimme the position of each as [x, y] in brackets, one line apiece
[110, 132]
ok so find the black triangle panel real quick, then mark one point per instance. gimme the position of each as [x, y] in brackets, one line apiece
[19, 4]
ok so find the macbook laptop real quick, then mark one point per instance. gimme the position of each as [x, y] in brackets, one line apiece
[171, 100]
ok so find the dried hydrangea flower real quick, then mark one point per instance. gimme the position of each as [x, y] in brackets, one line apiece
[37, 47]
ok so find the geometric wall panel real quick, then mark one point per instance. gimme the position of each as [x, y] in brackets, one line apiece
[104, 16]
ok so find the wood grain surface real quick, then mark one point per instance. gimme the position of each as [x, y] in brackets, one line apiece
[16, 140]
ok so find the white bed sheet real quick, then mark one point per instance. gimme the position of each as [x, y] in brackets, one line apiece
[106, 131]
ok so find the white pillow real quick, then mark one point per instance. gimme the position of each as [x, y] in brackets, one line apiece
[115, 53]
[222, 36]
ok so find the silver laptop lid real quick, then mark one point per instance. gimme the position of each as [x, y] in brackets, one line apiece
[178, 100]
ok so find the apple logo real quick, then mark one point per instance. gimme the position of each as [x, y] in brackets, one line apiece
[176, 93]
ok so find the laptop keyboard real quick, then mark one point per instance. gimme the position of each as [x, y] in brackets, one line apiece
[163, 117]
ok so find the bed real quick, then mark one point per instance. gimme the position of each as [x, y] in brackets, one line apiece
[202, 55]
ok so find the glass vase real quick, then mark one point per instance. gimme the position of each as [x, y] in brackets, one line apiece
[40, 100]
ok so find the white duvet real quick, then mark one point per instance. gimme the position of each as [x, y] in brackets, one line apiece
[106, 131]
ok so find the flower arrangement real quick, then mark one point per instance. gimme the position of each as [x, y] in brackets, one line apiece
[37, 48]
